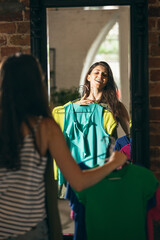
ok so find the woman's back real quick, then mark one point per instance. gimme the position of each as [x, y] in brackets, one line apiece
[22, 192]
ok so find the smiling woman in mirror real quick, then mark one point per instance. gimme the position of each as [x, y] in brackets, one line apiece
[101, 88]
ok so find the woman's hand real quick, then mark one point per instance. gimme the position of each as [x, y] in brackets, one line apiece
[118, 158]
[84, 101]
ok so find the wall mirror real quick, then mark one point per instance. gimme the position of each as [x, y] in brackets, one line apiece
[68, 36]
[138, 79]
[77, 37]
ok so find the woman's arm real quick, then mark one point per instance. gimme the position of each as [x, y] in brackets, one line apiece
[124, 119]
[77, 178]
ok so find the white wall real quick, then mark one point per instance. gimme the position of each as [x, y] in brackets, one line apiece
[71, 33]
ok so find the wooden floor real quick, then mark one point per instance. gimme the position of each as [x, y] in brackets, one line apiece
[66, 222]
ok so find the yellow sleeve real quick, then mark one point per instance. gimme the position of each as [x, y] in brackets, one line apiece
[58, 115]
[109, 122]
[130, 123]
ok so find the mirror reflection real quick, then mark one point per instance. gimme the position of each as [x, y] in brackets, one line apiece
[77, 38]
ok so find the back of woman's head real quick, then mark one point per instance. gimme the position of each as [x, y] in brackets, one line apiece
[22, 86]
[23, 95]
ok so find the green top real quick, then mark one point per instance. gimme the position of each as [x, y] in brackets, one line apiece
[116, 206]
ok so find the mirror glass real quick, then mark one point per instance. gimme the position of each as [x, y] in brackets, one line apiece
[76, 38]
[79, 36]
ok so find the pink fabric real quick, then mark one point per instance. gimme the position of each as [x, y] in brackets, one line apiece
[72, 214]
[153, 214]
[127, 150]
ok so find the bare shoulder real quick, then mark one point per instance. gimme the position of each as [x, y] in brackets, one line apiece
[49, 123]
[48, 120]
[50, 126]
[47, 135]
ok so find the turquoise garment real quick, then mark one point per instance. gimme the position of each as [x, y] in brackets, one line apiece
[85, 135]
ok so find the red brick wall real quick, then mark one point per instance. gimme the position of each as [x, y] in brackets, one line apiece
[154, 83]
[14, 27]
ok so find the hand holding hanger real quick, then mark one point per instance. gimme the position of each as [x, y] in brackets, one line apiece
[85, 101]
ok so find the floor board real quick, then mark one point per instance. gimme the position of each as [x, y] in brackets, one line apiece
[66, 222]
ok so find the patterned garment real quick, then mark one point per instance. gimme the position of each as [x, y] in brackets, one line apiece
[22, 192]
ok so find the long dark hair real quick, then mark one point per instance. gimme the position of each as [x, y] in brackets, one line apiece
[23, 95]
[109, 95]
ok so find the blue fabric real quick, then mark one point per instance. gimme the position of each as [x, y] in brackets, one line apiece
[79, 211]
[121, 142]
[152, 202]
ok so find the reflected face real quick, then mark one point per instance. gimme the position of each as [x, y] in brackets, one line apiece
[98, 77]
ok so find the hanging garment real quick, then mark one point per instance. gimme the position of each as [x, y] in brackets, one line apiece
[78, 208]
[84, 128]
[127, 150]
[121, 142]
[59, 115]
[85, 134]
[109, 124]
[115, 208]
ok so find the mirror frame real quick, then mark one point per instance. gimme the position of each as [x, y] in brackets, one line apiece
[139, 60]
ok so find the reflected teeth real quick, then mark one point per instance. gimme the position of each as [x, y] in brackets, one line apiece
[98, 81]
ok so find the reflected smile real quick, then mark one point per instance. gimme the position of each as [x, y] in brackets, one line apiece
[99, 81]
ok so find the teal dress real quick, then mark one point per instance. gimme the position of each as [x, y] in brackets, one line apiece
[85, 134]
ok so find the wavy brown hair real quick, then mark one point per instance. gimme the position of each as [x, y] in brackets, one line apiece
[23, 95]
[109, 95]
